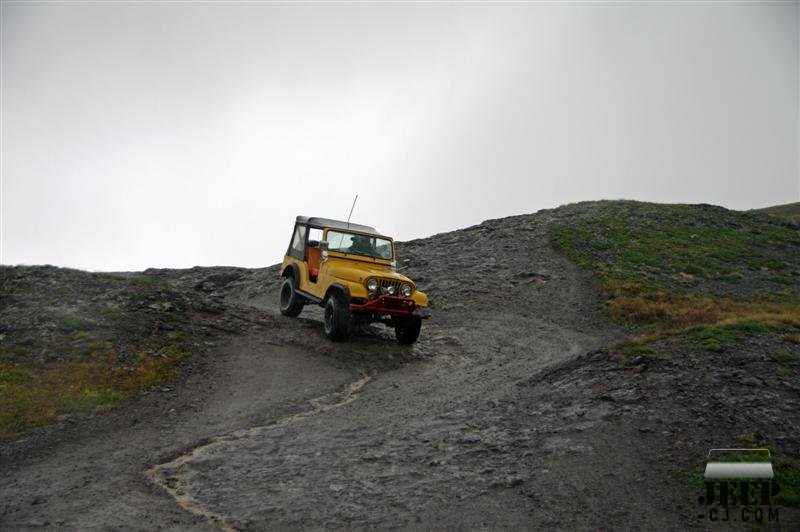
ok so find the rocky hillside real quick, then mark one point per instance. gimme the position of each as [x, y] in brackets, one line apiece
[713, 299]
[580, 364]
[789, 210]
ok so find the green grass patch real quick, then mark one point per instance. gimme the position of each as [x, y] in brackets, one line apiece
[139, 297]
[668, 240]
[717, 333]
[784, 372]
[74, 323]
[669, 269]
[144, 280]
[714, 337]
[110, 314]
[111, 276]
[781, 279]
[788, 478]
[33, 394]
[641, 349]
[784, 357]
[64, 291]
[711, 345]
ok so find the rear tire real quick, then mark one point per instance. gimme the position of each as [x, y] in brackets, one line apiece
[337, 317]
[407, 330]
[291, 302]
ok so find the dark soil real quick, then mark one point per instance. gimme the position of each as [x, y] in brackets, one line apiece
[510, 412]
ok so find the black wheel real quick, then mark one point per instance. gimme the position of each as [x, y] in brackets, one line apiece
[337, 318]
[407, 331]
[291, 302]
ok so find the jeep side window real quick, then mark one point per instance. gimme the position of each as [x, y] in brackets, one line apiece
[314, 236]
[297, 248]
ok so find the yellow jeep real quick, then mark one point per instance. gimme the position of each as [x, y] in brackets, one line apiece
[350, 270]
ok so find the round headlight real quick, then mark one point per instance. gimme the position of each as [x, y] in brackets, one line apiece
[372, 285]
[390, 289]
[405, 290]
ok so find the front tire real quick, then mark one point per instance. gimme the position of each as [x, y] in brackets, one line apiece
[407, 330]
[291, 302]
[337, 318]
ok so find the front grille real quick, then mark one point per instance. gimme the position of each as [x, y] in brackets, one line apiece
[384, 284]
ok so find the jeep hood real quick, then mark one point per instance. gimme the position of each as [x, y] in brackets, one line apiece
[364, 271]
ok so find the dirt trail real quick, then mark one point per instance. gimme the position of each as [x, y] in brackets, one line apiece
[89, 473]
[430, 441]
[165, 474]
[468, 428]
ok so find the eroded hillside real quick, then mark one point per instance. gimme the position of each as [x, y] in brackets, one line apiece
[580, 363]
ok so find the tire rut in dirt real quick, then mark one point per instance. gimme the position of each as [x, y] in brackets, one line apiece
[172, 476]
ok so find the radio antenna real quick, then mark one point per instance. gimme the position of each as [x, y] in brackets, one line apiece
[351, 211]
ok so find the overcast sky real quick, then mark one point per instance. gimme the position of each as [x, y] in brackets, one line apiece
[145, 134]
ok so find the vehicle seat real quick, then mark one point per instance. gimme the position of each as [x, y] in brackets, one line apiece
[312, 258]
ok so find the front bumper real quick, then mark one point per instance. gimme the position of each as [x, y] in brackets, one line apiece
[422, 312]
[393, 306]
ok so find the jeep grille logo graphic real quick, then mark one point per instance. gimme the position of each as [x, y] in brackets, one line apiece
[749, 469]
[743, 478]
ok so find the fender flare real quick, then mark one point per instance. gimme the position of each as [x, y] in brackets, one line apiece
[337, 287]
[291, 269]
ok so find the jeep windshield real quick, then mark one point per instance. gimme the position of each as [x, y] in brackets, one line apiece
[358, 244]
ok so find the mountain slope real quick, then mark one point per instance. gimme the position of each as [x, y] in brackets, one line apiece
[788, 210]
[530, 401]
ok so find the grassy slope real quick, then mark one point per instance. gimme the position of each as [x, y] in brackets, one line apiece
[74, 341]
[790, 211]
[668, 268]
[710, 276]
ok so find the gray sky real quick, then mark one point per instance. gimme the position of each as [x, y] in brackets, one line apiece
[149, 134]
